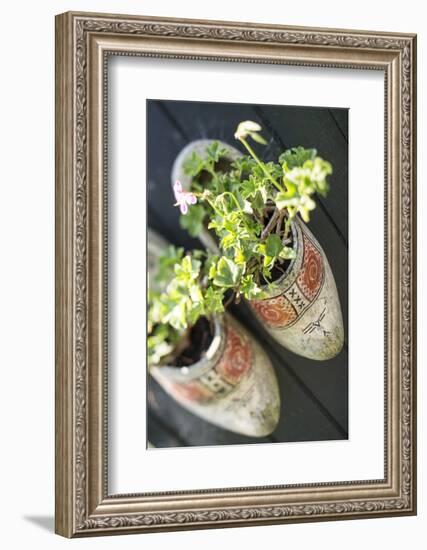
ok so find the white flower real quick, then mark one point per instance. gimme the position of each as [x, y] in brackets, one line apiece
[249, 128]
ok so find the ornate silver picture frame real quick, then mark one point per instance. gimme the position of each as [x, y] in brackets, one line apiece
[84, 42]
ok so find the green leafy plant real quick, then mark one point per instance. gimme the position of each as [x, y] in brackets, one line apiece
[188, 295]
[250, 206]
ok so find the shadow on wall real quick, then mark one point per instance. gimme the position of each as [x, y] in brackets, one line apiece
[44, 522]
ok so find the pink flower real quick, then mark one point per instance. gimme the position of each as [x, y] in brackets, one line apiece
[183, 198]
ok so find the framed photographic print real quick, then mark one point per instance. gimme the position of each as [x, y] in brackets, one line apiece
[235, 274]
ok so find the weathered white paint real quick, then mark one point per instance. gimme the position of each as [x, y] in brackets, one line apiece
[317, 332]
[251, 407]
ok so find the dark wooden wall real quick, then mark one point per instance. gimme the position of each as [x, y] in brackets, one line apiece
[314, 394]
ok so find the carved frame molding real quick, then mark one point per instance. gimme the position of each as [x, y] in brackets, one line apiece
[83, 43]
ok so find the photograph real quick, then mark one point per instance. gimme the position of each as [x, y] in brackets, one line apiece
[247, 270]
